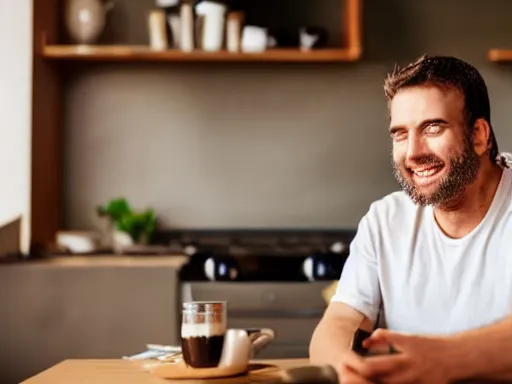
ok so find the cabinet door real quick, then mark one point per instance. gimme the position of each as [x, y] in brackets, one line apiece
[52, 313]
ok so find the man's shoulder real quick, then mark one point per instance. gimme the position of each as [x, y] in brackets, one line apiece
[393, 210]
[397, 202]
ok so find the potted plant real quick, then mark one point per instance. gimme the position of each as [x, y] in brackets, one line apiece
[129, 227]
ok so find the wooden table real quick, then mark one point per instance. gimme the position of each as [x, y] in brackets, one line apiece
[131, 372]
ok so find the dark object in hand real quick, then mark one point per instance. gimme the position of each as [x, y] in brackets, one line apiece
[358, 348]
[357, 345]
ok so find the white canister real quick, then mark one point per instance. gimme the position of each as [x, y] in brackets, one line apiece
[214, 15]
[157, 30]
[234, 24]
[187, 28]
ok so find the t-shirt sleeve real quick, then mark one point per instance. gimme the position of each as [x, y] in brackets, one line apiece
[359, 285]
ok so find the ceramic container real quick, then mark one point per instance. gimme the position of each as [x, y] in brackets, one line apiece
[85, 19]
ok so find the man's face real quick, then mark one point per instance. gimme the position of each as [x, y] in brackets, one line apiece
[434, 159]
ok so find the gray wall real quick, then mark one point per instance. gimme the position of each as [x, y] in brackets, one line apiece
[260, 145]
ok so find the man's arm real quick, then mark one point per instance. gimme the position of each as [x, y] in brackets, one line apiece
[480, 355]
[484, 353]
[355, 304]
[332, 339]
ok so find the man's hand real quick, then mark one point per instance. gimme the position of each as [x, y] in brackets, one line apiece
[348, 376]
[419, 359]
[348, 369]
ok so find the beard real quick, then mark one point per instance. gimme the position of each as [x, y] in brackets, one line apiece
[463, 172]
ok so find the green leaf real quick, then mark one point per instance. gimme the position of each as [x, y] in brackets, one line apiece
[139, 225]
[115, 209]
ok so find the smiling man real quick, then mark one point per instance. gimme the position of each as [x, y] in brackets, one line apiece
[431, 265]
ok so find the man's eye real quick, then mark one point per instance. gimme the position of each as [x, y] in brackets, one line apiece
[433, 128]
[398, 135]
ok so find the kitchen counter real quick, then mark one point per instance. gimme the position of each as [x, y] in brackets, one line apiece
[128, 372]
[107, 260]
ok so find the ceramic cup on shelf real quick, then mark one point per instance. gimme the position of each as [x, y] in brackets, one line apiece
[85, 19]
[256, 39]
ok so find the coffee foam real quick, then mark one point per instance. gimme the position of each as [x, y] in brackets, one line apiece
[198, 330]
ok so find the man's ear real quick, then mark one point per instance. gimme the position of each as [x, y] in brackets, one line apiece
[481, 136]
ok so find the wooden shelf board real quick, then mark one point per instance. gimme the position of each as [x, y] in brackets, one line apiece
[500, 55]
[144, 53]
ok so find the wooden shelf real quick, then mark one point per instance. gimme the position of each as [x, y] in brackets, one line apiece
[143, 53]
[500, 55]
[350, 51]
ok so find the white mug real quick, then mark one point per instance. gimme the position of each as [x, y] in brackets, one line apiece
[256, 39]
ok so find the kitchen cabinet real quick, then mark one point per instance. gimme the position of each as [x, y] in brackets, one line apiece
[73, 307]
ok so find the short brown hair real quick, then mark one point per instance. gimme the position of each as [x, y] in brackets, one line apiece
[444, 71]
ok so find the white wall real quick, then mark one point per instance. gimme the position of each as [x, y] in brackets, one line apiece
[15, 112]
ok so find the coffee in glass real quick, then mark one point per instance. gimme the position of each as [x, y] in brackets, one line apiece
[203, 328]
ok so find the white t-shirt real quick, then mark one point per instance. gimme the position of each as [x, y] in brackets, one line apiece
[403, 268]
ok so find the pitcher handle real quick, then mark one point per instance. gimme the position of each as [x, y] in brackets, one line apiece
[260, 337]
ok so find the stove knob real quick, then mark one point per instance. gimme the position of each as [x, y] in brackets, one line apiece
[307, 269]
[218, 269]
[338, 247]
[320, 267]
[189, 250]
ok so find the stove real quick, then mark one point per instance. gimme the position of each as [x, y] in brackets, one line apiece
[270, 278]
[261, 255]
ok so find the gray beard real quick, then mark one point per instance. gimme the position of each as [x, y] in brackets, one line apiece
[463, 172]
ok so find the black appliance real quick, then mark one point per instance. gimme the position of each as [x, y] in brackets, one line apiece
[261, 255]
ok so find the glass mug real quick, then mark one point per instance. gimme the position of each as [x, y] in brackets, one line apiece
[203, 327]
[204, 336]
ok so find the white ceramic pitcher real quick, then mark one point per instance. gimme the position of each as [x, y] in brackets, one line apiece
[85, 19]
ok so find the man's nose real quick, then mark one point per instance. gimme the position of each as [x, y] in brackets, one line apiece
[415, 145]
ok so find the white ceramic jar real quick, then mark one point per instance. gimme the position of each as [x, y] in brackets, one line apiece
[214, 14]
